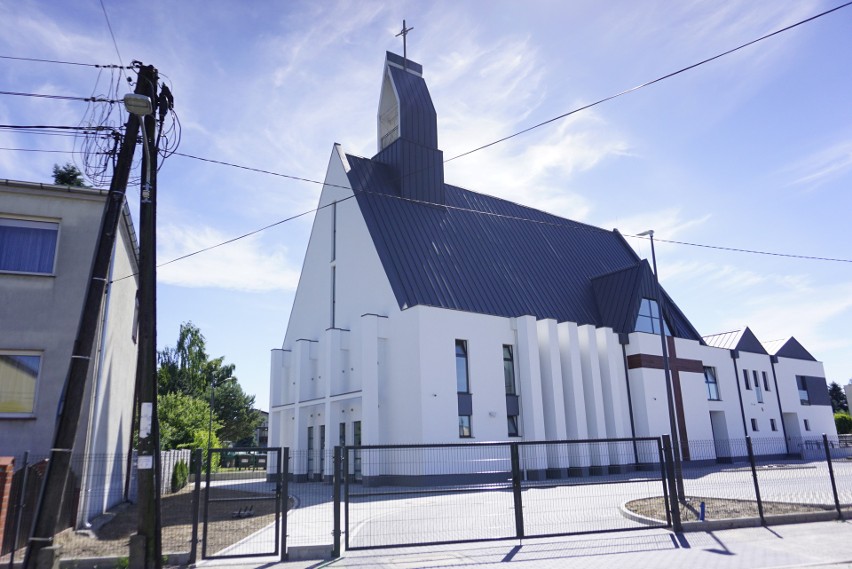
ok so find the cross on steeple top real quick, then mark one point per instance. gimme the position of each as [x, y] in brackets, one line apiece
[404, 33]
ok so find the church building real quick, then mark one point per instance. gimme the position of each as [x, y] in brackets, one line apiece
[429, 313]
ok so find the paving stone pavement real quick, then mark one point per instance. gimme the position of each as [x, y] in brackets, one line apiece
[819, 544]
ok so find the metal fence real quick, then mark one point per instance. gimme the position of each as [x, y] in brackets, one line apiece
[384, 496]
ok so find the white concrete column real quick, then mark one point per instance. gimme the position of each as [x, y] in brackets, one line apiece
[574, 397]
[533, 459]
[369, 372]
[552, 393]
[595, 418]
[614, 390]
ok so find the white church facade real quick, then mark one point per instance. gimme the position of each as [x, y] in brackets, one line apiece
[427, 313]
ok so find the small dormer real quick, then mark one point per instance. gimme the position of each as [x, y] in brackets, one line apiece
[407, 127]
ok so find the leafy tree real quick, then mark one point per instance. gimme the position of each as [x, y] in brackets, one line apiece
[838, 398]
[235, 409]
[183, 420]
[184, 368]
[843, 422]
[67, 175]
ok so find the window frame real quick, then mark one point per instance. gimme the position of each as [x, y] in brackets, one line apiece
[758, 390]
[745, 379]
[513, 388]
[465, 357]
[802, 387]
[32, 412]
[765, 382]
[773, 425]
[754, 425]
[653, 315]
[34, 220]
[807, 425]
[465, 423]
[714, 383]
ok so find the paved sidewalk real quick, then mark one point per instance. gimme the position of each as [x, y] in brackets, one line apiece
[820, 544]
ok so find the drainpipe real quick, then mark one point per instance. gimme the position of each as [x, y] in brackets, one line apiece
[624, 339]
[735, 354]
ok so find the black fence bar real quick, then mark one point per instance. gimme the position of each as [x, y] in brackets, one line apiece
[197, 459]
[338, 463]
[672, 483]
[284, 481]
[516, 491]
[663, 482]
[751, 462]
[831, 475]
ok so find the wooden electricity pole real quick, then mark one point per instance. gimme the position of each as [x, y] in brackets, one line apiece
[145, 546]
[71, 401]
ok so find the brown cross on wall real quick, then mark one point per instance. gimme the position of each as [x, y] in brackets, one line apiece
[676, 365]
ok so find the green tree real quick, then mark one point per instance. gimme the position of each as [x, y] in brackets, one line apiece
[838, 398]
[183, 420]
[186, 367]
[843, 422]
[67, 175]
[235, 410]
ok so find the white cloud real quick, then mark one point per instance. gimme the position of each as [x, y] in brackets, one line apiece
[824, 165]
[247, 265]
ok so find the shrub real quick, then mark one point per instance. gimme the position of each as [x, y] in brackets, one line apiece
[180, 475]
[843, 421]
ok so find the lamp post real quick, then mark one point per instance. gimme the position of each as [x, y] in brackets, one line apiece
[666, 368]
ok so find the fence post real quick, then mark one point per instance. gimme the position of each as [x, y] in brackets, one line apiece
[335, 551]
[670, 475]
[754, 477]
[516, 490]
[831, 475]
[663, 480]
[284, 481]
[196, 502]
[346, 459]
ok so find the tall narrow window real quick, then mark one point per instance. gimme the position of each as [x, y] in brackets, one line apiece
[648, 319]
[18, 378]
[333, 294]
[754, 425]
[341, 435]
[802, 385]
[712, 383]
[310, 451]
[322, 449]
[464, 426]
[513, 426]
[807, 425]
[27, 246]
[745, 379]
[462, 381]
[765, 382]
[773, 425]
[758, 391]
[356, 440]
[509, 370]
[333, 231]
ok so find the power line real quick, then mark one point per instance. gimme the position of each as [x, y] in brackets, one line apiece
[114, 43]
[38, 60]
[649, 83]
[61, 97]
[259, 170]
[41, 150]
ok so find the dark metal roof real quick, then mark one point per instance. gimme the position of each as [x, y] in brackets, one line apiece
[620, 293]
[418, 120]
[789, 348]
[518, 261]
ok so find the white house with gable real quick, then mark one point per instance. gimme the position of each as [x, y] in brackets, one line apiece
[428, 313]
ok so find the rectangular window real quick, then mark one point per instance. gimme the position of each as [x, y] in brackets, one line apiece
[509, 371]
[712, 383]
[19, 374]
[310, 451]
[807, 425]
[754, 425]
[27, 246]
[765, 382]
[757, 389]
[648, 319]
[333, 231]
[333, 294]
[513, 426]
[745, 379]
[462, 381]
[464, 426]
[802, 385]
[341, 435]
[356, 440]
[773, 425]
[322, 449]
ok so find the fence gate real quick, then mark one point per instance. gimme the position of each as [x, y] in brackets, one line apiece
[242, 503]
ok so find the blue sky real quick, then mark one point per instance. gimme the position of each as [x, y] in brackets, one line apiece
[750, 151]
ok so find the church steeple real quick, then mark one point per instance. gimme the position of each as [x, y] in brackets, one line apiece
[408, 131]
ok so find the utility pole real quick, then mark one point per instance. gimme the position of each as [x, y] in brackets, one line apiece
[145, 546]
[71, 401]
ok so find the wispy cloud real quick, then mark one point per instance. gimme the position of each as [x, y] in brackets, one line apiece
[248, 265]
[823, 166]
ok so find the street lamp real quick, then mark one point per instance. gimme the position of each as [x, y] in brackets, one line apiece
[140, 105]
[666, 369]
